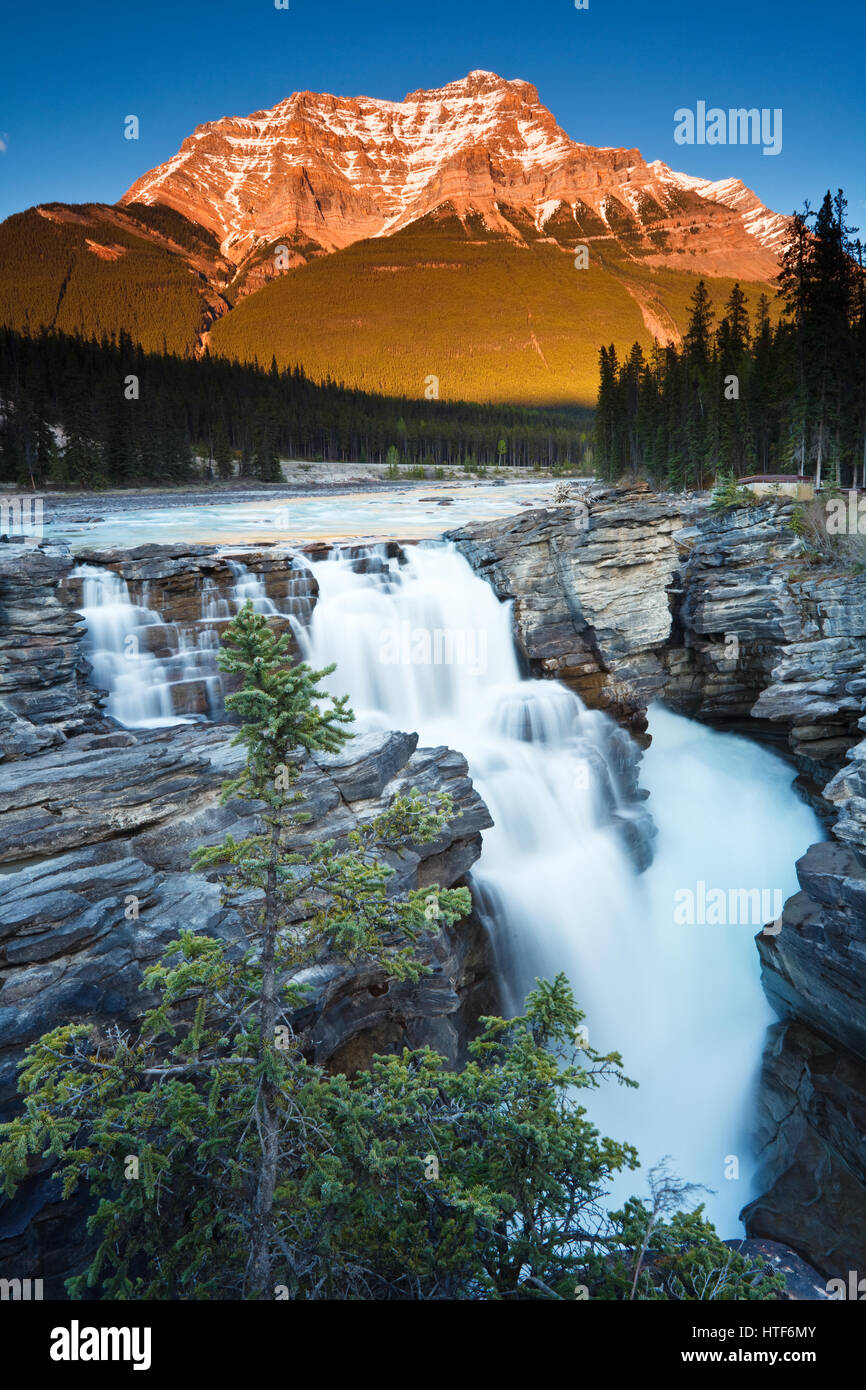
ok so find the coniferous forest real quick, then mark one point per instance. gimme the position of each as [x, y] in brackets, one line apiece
[743, 395]
[432, 763]
[108, 414]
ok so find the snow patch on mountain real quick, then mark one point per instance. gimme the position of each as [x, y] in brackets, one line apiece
[333, 170]
[768, 228]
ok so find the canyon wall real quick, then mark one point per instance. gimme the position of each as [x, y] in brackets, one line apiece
[630, 597]
[98, 823]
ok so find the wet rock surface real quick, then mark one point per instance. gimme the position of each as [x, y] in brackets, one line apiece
[97, 826]
[44, 694]
[812, 1135]
[629, 597]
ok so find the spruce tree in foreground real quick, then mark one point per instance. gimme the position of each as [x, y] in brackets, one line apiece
[227, 1165]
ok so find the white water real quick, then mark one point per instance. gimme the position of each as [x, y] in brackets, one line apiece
[428, 648]
[138, 685]
[381, 512]
[145, 690]
[683, 1004]
[687, 1009]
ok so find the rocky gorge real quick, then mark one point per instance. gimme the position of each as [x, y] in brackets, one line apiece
[632, 598]
[628, 598]
[97, 826]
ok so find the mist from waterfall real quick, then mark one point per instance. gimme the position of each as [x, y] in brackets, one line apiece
[425, 646]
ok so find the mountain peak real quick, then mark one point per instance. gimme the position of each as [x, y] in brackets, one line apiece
[320, 172]
[477, 83]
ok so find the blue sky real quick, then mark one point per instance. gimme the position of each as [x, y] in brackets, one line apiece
[612, 74]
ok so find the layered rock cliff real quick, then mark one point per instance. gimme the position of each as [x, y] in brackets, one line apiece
[589, 583]
[44, 694]
[96, 833]
[631, 597]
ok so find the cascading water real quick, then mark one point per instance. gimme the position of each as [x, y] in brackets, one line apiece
[427, 647]
[423, 644]
[146, 690]
[249, 586]
[138, 684]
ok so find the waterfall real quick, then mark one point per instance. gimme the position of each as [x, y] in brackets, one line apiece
[423, 644]
[159, 673]
[138, 684]
[249, 586]
[426, 646]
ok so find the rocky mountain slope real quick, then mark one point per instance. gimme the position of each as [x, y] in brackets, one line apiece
[342, 233]
[335, 170]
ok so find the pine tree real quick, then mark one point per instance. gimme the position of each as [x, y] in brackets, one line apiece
[737, 319]
[256, 1168]
[222, 453]
[277, 704]
[697, 337]
[266, 462]
[607, 413]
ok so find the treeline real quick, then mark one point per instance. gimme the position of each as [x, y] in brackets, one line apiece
[90, 413]
[745, 396]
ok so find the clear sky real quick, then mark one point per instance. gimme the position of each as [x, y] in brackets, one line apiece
[612, 74]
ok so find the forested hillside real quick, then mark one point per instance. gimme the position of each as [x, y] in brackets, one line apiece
[743, 395]
[494, 315]
[93, 270]
[491, 317]
[96, 414]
